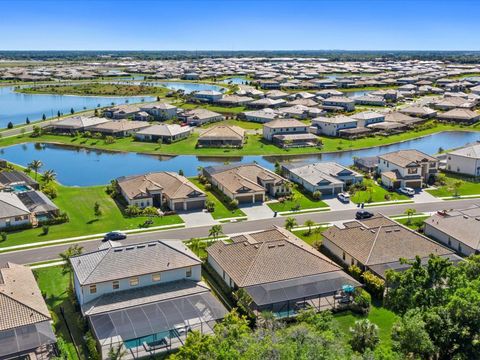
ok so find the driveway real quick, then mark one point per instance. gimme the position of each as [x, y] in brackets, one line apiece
[424, 197]
[257, 211]
[197, 218]
[336, 204]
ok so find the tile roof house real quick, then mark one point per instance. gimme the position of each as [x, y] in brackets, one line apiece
[278, 270]
[247, 183]
[25, 321]
[199, 116]
[119, 128]
[289, 133]
[457, 229]
[155, 285]
[167, 133]
[160, 111]
[398, 117]
[261, 116]
[419, 111]
[222, 136]
[121, 111]
[460, 115]
[465, 160]
[331, 126]
[377, 244]
[13, 213]
[77, 123]
[338, 103]
[161, 189]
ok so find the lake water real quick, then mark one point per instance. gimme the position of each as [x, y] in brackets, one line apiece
[356, 93]
[235, 81]
[188, 87]
[84, 167]
[16, 107]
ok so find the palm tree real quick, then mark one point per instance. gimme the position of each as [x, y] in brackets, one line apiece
[195, 245]
[309, 223]
[117, 353]
[290, 223]
[49, 176]
[72, 251]
[364, 335]
[409, 212]
[243, 300]
[214, 231]
[456, 187]
[35, 165]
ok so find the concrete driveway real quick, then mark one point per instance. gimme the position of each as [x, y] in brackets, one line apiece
[336, 204]
[424, 197]
[197, 218]
[257, 211]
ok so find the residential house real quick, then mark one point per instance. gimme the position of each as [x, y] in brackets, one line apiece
[121, 111]
[369, 100]
[366, 118]
[289, 133]
[160, 111]
[13, 213]
[338, 103]
[366, 164]
[261, 116]
[327, 177]
[465, 160]
[377, 245]
[267, 103]
[196, 117]
[74, 124]
[155, 285]
[166, 133]
[281, 273]
[460, 115]
[119, 128]
[453, 102]
[407, 168]
[331, 126]
[38, 204]
[25, 322]
[419, 111]
[398, 117]
[235, 100]
[161, 189]
[222, 136]
[457, 229]
[207, 95]
[17, 181]
[246, 183]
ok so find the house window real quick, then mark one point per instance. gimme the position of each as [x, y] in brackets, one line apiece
[93, 289]
[115, 285]
[343, 255]
[188, 273]
[352, 262]
[156, 277]
[412, 170]
[134, 281]
[459, 247]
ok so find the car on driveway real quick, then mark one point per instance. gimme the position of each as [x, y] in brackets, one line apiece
[114, 235]
[363, 214]
[407, 191]
[344, 197]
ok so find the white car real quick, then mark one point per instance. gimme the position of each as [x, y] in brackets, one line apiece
[407, 191]
[344, 197]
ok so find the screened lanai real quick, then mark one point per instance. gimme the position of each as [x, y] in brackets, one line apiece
[156, 327]
[285, 298]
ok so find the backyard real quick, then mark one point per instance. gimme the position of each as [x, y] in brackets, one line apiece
[300, 200]
[466, 186]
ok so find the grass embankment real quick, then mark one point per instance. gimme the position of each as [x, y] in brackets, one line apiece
[221, 210]
[78, 203]
[54, 286]
[468, 186]
[300, 200]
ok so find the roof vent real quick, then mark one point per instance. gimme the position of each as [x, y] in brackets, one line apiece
[150, 245]
[140, 246]
[117, 250]
[130, 248]
[372, 231]
[477, 218]
[465, 216]
[271, 246]
[281, 245]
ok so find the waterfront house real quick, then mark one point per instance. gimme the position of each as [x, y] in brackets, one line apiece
[465, 160]
[196, 117]
[121, 111]
[398, 117]
[166, 133]
[207, 95]
[460, 115]
[222, 136]
[366, 118]
[14, 180]
[160, 111]
[338, 103]
[119, 128]
[419, 111]
[13, 213]
[331, 126]
[74, 124]
[38, 204]
[289, 133]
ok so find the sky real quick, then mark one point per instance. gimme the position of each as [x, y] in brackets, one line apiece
[239, 25]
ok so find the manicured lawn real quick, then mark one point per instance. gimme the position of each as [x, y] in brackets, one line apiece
[380, 316]
[302, 198]
[377, 194]
[314, 236]
[247, 125]
[468, 187]
[221, 211]
[54, 286]
[215, 108]
[415, 222]
[78, 203]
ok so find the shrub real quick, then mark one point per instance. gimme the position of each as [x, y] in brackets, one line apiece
[210, 206]
[362, 301]
[387, 197]
[45, 229]
[109, 140]
[149, 211]
[91, 344]
[317, 195]
[374, 284]
[355, 271]
[317, 245]
[50, 190]
[233, 204]
[132, 210]
[208, 186]
[3, 236]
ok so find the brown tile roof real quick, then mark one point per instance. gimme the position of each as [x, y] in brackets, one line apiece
[405, 157]
[284, 123]
[223, 132]
[268, 256]
[119, 125]
[21, 302]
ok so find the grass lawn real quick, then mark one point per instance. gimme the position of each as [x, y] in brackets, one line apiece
[247, 125]
[468, 187]
[302, 198]
[78, 203]
[380, 316]
[54, 286]
[215, 108]
[377, 194]
[313, 236]
[221, 210]
[415, 222]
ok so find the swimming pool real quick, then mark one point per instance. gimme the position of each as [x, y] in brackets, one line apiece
[133, 343]
[20, 188]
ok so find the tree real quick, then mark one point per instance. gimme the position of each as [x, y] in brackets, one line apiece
[243, 300]
[58, 114]
[35, 165]
[36, 131]
[72, 251]
[10, 125]
[72, 111]
[364, 335]
[411, 338]
[49, 176]
[309, 223]
[210, 206]
[27, 121]
[290, 223]
[110, 140]
[44, 117]
[410, 212]
[214, 231]
[117, 353]
[456, 187]
[317, 195]
[97, 210]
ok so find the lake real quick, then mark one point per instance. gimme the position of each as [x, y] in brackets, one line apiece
[82, 167]
[235, 80]
[16, 107]
[189, 87]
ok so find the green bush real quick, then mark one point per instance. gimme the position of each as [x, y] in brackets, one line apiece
[91, 344]
[45, 229]
[374, 284]
[355, 271]
[3, 236]
[50, 190]
[362, 300]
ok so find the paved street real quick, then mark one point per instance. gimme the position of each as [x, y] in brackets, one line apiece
[51, 252]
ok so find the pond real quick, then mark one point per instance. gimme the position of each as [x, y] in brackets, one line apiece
[16, 107]
[188, 87]
[235, 80]
[82, 167]
[356, 93]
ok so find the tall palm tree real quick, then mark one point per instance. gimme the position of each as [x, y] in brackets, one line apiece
[49, 176]
[35, 165]
[409, 212]
[290, 223]
[309, 223]
[215, 230]
[72, 251]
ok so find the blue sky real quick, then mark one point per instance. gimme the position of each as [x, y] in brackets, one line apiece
[239, 25]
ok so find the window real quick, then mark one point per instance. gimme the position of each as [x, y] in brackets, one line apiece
[188, 273]
[156, 277]
[134, 281]
[343, 255]
[412, 170]
[449, 241]
[115, 285]
[93, 289]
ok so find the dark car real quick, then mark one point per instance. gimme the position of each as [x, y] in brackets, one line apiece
[114, 235]
[363, 214]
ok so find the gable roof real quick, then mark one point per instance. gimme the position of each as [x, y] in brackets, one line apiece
[223, 132]
[11, 205]
[284, 123]
[317, 173]
[406, 157]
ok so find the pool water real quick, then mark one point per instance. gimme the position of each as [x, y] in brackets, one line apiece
[133, 343]
[20, 188]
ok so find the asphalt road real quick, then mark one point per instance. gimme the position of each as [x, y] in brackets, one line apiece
[51, 252]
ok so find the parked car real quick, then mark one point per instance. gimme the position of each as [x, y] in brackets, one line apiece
[344, 197]
[114, 235]
[363, 214]
[407, 191]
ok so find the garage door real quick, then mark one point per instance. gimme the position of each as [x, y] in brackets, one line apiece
[244, 199]
[195, 205]
[178, 206]
[258, 198]
[413, 184]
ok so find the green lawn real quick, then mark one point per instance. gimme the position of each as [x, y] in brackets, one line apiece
[468, 187]
[215, 108]
[302, 198]
[78, 203]
[247, 125]
[377, 194]
[312, 237]
[221, 210]
[415, 222]
[380, 316]
[54, 286]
